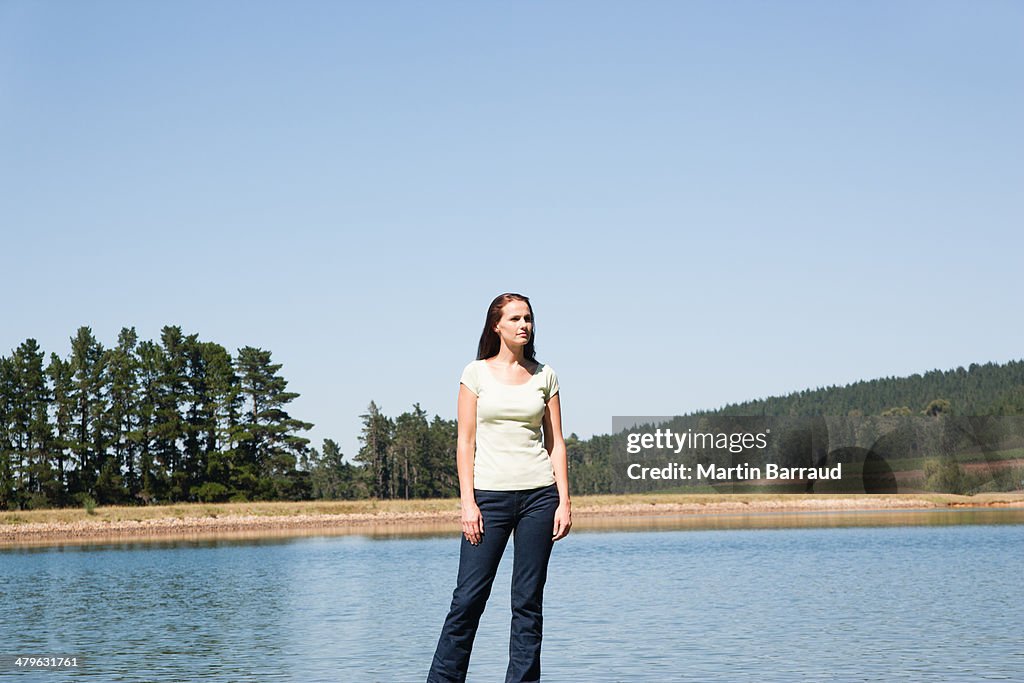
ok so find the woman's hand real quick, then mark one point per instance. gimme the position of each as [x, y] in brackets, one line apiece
[472, 522]
[563, 521]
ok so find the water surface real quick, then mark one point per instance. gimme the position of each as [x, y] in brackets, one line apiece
[904, 603]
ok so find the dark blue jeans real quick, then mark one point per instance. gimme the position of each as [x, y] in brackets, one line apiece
[530, 516]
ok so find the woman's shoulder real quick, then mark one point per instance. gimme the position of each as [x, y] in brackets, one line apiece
[544, 369]
[538, 369]
[548, 380]
[472, 368]
[472, 377]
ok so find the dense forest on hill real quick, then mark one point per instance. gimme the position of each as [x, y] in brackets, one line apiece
[181, 419]
[988, 389]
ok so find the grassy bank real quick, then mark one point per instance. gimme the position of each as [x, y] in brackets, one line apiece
[442, 508]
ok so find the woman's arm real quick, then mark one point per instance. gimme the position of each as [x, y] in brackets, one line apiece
[555, 446]
[472, 521]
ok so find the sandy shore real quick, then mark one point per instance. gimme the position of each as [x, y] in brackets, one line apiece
[45, 527]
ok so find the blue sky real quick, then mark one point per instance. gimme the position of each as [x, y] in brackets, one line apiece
[707, 202]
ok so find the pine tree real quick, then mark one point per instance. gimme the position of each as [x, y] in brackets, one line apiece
[153, 478]
[333, 478]
[410, 451]
[9, 456]
[34, 435]
[169, 426]
[376, 438]
[220, 402]
[441, 463]
[60, 374]
[88, 438]
[269, 448]
[123, 418]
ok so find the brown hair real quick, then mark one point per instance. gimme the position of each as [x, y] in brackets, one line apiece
[490, 343]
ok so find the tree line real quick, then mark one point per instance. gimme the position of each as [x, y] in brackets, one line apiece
[184, 420]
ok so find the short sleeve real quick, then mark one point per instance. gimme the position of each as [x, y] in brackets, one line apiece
[470, 378]
[551, 387]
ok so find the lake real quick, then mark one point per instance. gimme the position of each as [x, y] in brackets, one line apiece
[938, 601]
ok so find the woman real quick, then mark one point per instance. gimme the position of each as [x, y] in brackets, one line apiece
[511, 480]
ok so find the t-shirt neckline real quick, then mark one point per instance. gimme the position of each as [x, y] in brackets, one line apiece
[506, 384]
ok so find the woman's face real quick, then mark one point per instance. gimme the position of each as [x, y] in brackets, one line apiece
[516, 324]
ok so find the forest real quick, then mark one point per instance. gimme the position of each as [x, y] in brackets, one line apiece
[184, 420]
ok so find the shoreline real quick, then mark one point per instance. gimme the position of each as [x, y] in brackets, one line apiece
[54, 527]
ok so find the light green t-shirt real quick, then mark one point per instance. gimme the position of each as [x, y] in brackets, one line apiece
[510, 453]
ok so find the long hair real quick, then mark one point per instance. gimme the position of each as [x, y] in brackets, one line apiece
[490, 342]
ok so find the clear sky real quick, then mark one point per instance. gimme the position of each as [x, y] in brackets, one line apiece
[707, 202]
